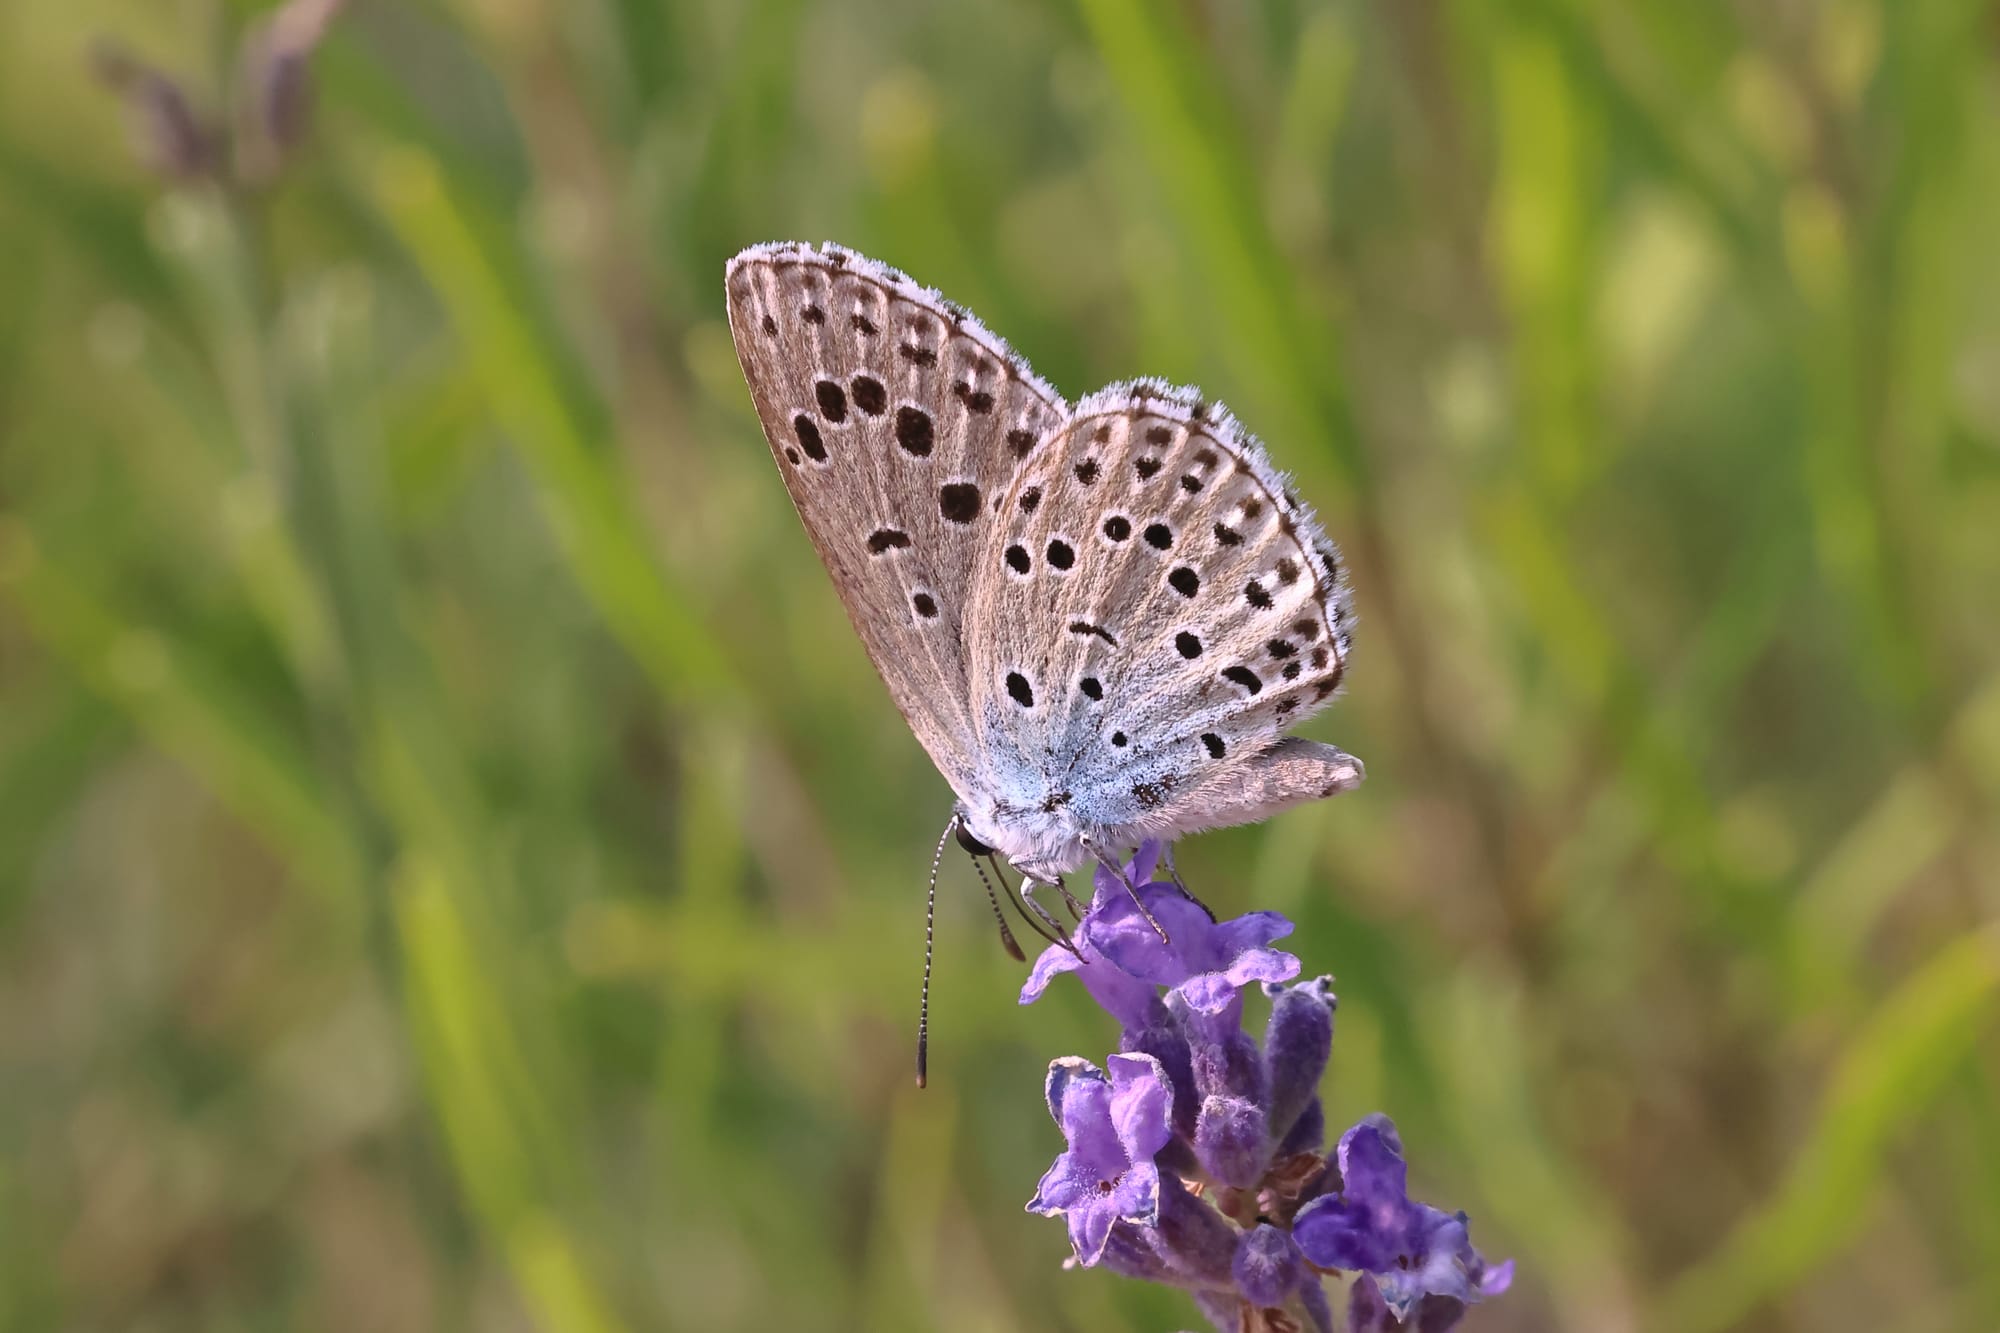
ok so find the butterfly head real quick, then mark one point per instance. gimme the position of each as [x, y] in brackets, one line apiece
[1042, 844]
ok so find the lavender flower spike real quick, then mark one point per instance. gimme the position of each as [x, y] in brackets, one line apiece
[1196, 1161]
[1114, 1127]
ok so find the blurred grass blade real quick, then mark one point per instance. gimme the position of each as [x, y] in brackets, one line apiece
[497, 1128]
[1886, 1077]
[590, 508]
[190, 710]
[1286, 360]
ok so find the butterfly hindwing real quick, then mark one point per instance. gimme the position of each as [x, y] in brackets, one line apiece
[1156, 610]
[897, 422]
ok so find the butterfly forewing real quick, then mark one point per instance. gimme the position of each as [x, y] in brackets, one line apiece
[1156, 610]
[897, 423]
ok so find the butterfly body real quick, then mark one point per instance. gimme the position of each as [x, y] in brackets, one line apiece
[1099, 619]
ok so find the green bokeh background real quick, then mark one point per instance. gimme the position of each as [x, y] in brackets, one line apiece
[458, 870]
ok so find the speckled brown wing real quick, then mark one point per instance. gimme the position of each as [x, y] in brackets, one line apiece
[897, 422]
[1163, 610]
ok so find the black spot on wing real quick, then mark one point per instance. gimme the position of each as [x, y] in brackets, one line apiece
[1019, 690]
[869, 395]
[915, 432]
[804, 427]
[1245, 677]
[832, 400]
[958, 501]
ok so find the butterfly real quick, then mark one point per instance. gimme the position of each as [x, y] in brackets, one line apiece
[1098, 619]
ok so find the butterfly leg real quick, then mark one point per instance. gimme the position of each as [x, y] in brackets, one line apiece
[1049, 919]
[1111, 863]
[1174, 874]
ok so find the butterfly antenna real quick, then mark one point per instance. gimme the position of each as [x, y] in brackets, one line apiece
[930, 941]
[1007, 939]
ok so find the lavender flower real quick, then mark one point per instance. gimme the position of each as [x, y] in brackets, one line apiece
[179, 141]
[1418, 1255]
[1114, 1126]
[1197, 1161]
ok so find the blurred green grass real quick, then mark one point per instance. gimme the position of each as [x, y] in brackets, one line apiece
[458, 871]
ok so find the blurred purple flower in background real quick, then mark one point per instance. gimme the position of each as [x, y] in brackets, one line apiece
[1197, 1161]
[270, 104]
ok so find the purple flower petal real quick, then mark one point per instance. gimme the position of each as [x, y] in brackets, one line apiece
[1142, 1105]
[1050, 964]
